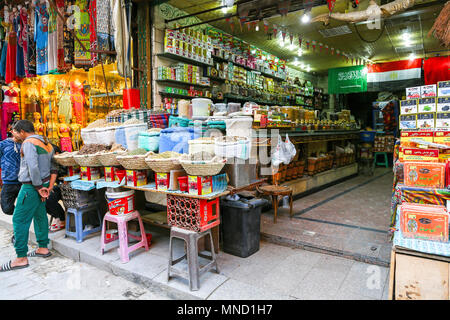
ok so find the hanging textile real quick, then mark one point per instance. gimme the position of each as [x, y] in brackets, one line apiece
[436, 69]
[77, 95]
[23, 38]
[9, 107]
[69, 45]
[121, 36]
[65, 107]
[20, 63]
[105, 26]
[41, 38]
[30, 57]
[82, 57]
[4, 46]
[61, 65]
[52, 48]
[142, 47]
[11, 54]
[93, 31]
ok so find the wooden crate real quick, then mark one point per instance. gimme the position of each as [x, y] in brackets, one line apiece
[418, 276]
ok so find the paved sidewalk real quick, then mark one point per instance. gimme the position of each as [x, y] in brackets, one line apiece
[274, 272]
[61, 278]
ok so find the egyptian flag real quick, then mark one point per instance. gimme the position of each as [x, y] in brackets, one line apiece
[436, 69]
[392, 76]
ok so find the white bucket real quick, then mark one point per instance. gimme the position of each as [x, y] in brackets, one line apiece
[201, 107]
[120, 203]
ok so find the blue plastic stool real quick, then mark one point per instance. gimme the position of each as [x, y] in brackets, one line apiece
[79, 234]
[384, 163]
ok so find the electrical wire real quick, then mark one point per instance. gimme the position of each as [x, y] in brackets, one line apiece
[370, 41]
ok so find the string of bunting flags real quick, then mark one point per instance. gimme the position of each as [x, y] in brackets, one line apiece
[303, 42]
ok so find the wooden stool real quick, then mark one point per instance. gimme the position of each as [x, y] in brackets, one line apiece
[274, 191]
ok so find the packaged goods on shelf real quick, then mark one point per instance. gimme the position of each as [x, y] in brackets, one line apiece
[408, 121]
[407, 136]
[408, 106]
[415, 154]
[424, 174]
[427, 120]
[426, 105]
[428, 91]
[443, 88]
[443, 120]
[426, 222]
[413, 93]
[442, 137]
[443, 104]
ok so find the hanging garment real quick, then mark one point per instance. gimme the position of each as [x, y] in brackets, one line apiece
[11, 54]
[23, 39]
[65, 107]
[66, 143]
[120, 36]
[4, 49]
[93, 31]
[20, 67]
[60, 36]
[82, 57]
[9, 108]
[30, 66]
[105, 26]
[77, 95]
[41, 38]
[69, 45]
[52, 48]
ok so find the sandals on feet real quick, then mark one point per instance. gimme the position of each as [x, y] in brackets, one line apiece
[7, 267]
[34, 253]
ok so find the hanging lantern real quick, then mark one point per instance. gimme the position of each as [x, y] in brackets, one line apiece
[300, 41]
[291, 37]
[332, 51]
[314, 45]
[283, 33]
[320, 46]
[275, 30]
[307, 41]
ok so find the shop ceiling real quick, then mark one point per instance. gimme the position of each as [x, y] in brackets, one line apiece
[352, 38]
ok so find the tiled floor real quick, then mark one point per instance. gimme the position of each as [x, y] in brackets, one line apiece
[350, 219]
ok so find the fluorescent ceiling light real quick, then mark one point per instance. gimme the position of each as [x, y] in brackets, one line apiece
[300, 52]
[292, 47]
[412, 56]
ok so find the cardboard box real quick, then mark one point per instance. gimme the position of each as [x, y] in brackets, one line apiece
[408, 106]
[424, 174]
[442, 120]
[408, 121]
[428, 91]
[442, 137]
[199, 185]
[413, 93]
[426, 105]
[443, 104]
[426, 120]
[425, 222]
[407, 136]
[162, 181]
[443, 89]
[136, 178]
[90, 173]
[415, 154]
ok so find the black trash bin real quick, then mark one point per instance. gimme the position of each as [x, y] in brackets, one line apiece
[240, 225]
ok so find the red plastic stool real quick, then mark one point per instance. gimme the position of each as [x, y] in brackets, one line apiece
[121, 221]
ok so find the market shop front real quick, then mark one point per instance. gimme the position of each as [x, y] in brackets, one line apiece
[188, 122]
